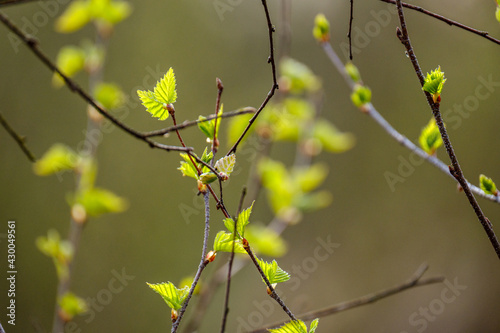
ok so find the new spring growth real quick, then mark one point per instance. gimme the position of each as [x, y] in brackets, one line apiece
[361, 95]
[321, 30]
[497, 13]
[430, 138]
[160, 101]
[487, 185]
[353, 72]
[433, 84]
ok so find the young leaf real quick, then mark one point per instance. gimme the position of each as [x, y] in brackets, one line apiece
[76, 15]
[310, 177]
[331, 138]
[361, 95]
[61, 251]
[430, 138]
[98, 201]
[243, 220]
[265, 240]
[353, 72]
[487, 185]
[297, 77]
[497, 13]
[273, 272]
[171, 295]
[294, 326]
[314, 325]
[207, 127]
[70, 60]
[71, 305]
[157, 102]
[109, 95]
[224, 243]
[433, 84]
[58, 158]
[225, 165]
[236, 127]
[208, 177]
[321, 30]
[110, 12]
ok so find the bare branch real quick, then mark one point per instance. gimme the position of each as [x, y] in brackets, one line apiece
[414, 281]
[484, 34]
[19, 139]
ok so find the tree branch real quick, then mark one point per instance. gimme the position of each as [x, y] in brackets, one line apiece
[455, 169]
[19, 139]
[484, 34]
[74, 87]
[275, 86]
[414, 281]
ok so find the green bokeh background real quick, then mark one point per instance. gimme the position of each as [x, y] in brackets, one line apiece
[384, 235]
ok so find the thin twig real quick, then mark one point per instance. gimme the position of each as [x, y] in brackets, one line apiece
[415, 281]
[187, 124]
[230, 264]
[350, 28]
[275, 86]
[203, 263]
[404, 141]
[455, 169]
[215, 141]
[484, 34]
[271, 290]
[19, 139]
[74, 87]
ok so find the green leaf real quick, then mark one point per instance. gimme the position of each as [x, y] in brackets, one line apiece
[273, 272]
[430, 138]
[109, 95]
[188, 282]
[171, 295]
[97, 201]
[276, 179]
[71, 305]
[225, 165]
[76, 15]
[208, 126]
[331, 138]
[487, 185]
[314, 325]
[111, 12]
[310, 177]
[237, 125]
[321, 30]
[61, 251]
[70, 60]
[58, 158]
[313, 201]
[265, 241]
[208, 177]
[164, 94]
[297, 77]
[294, 326]
[433, 84]
[224, 243]
[243, 220]
[497, 13]
[361, 95]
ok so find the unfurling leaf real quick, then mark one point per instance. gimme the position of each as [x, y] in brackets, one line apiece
[61, 251]
[224, 243]
[96, 201]
[171, 295]
[297, 77]
[273, 272]
[159, 102]
[361, 95]
[225, 165]
[353, 72]
[433, 84]
[208, 177]
[58, 158]
[296, 326]
[430, 138]
[321, 30]
[487, 185]
[208, 126]
[265, 241]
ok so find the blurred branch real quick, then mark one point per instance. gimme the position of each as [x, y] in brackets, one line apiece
[19, 139]
[414, 281]
[455, 169]
[270, 94]
[5, 3]
[32, 43]
[484, 34]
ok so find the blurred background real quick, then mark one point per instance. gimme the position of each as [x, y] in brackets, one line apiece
[383, 233]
